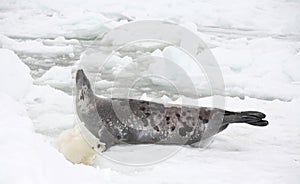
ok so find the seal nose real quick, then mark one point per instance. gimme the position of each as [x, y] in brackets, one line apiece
[80, 75]
[81, 79]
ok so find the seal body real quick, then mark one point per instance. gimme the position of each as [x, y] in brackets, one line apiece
[133, 121]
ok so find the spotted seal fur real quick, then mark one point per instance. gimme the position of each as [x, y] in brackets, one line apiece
[132, 121]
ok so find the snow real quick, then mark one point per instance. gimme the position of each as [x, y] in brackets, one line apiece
[15, 81]
[51, 110]
[256, 44]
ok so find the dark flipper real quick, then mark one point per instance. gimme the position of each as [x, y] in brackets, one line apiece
[251, 117]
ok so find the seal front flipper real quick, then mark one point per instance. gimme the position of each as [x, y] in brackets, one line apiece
[107, 138]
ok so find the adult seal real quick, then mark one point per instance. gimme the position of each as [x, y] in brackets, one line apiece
[114, 121]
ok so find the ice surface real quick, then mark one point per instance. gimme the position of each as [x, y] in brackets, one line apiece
[57, 76]
[256, 44]
[35, 47]
[88, 19]
[263, 64]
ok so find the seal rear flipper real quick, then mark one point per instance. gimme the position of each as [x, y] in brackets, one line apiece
[259, 123]
[250, 117]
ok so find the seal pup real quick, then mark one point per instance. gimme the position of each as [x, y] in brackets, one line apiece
[114, 121]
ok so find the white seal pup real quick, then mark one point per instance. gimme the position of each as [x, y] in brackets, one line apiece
[131, 121]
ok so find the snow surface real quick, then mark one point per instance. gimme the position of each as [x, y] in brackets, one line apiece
[256, 43]
[17, 74]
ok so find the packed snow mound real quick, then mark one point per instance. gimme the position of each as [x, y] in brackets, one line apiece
[51, 109]
[19, 144]
[19, 81]
[30, 155]
[75, 148]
